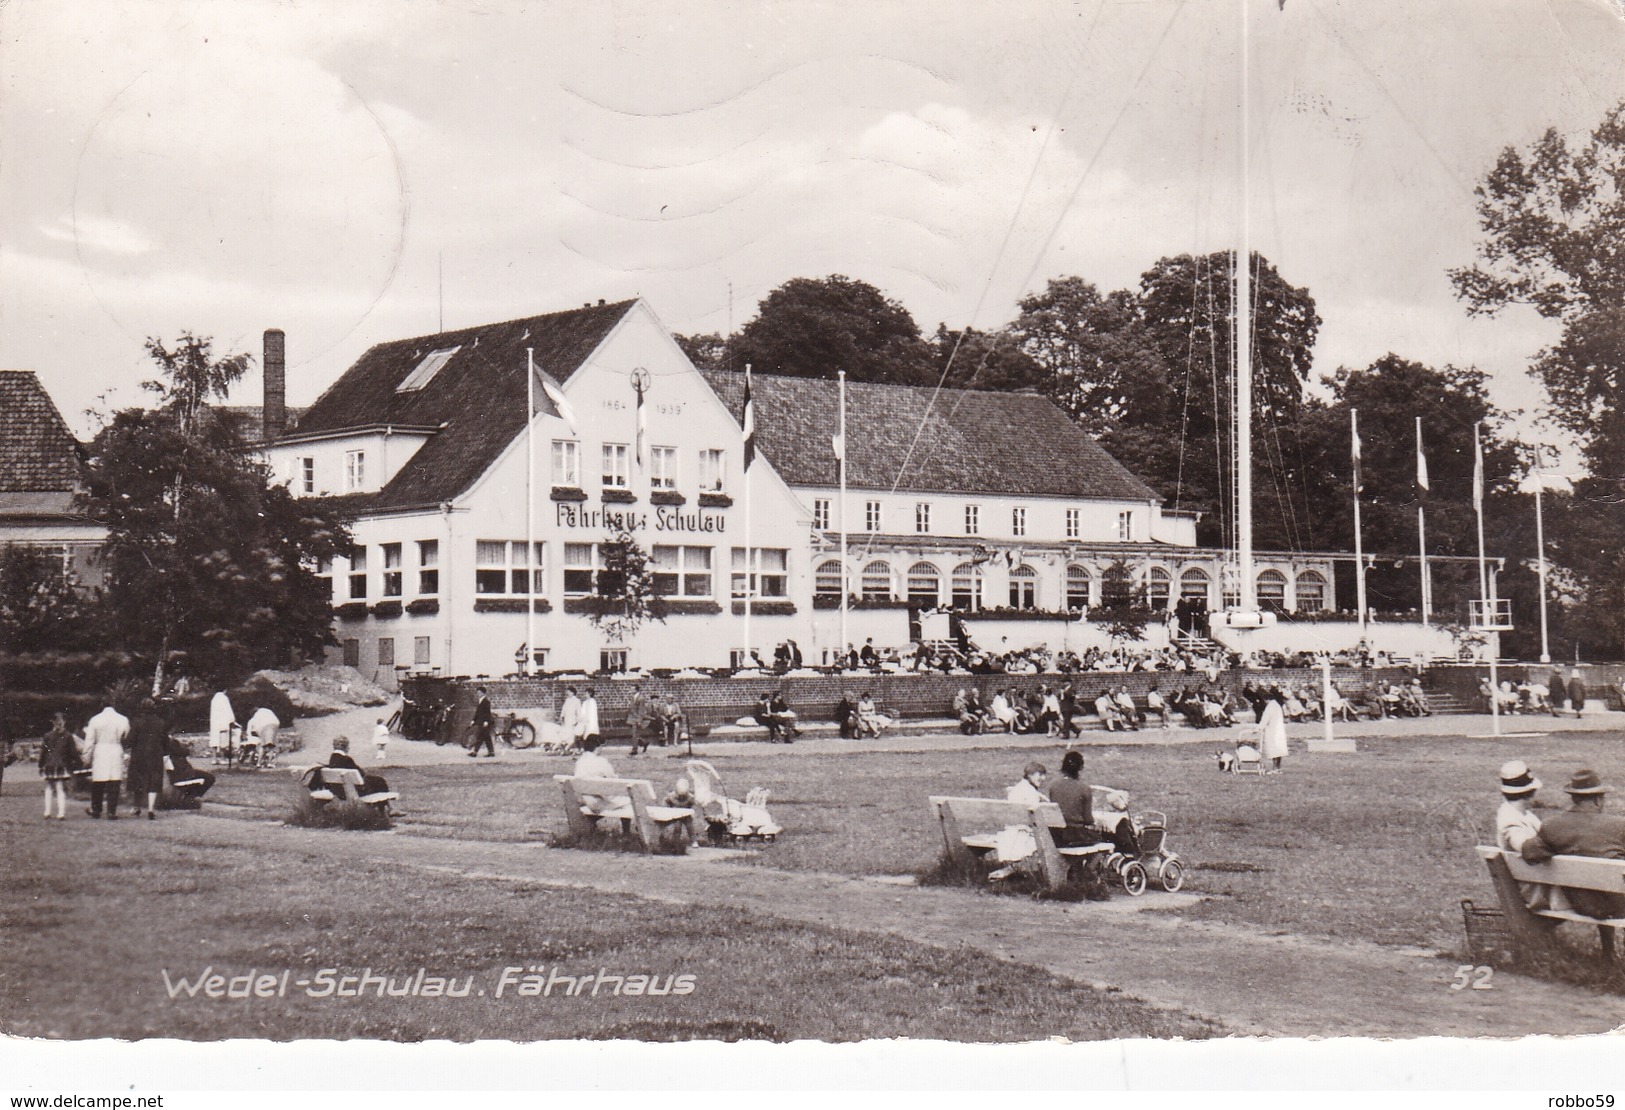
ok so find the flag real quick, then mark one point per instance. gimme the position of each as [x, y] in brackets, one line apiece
[1421, 461]
[552, 400]
[750, 423]
[1478, 473]
[1354, 433]
[643, 430]
[838, 445]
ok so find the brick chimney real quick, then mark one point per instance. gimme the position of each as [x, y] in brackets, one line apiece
[276, 384]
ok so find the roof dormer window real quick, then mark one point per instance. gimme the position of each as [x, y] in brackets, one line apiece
[427, 369]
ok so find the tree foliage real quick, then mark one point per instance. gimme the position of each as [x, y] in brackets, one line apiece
[627, 595]
[815, 327]
[41, 607]
[204, 555]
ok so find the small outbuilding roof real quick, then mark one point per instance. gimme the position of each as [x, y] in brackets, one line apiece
[38, 454]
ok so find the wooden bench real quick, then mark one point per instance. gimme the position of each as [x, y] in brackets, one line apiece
[631, 801]
[1533, 928]
[970, 828]
[340, 784]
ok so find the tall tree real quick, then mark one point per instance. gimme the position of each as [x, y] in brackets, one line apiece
[41, 607]
[815, 327]
[1553, 217]
[203, 555]
[971, 359]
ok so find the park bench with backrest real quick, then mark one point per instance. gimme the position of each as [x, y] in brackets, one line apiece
[631, 801]
[340, 785]
[1533, 929]
[971, 826]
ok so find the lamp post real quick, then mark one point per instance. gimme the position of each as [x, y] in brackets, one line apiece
[1540, 543]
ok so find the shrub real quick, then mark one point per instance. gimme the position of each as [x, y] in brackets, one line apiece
[350, 816]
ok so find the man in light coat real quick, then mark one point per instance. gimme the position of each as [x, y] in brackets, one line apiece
[106, 737]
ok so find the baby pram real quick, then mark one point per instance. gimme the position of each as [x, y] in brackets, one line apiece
[1142, 856]
[1243, 759]
[726, 819]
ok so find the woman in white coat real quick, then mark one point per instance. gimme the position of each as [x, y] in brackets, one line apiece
[222, 719]
[1273, 727]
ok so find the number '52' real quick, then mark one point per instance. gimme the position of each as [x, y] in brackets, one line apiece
[1479, 978]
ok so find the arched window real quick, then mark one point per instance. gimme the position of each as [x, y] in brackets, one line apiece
[1194, 585]
[1311, 592]
[1158, 589]
[1023, 587]
[924, 585]
[1077, 587]
[1272, 591]
[967, 587]
[827, 579]
[877, 581]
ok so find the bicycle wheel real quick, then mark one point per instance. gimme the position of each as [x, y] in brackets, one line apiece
[522, 735]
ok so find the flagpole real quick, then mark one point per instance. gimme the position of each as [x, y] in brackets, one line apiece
[1540, 541]
[1421, 522]
[1359, 549]
[750, 430]
[1486, 606]
[841, 463]
[530, 510]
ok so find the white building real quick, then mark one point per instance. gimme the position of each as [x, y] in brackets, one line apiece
[985, 501]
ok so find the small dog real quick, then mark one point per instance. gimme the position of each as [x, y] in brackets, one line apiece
[1227, 762]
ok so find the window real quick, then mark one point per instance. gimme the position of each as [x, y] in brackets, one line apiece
[1018, 520]
[1077, 586]
[1023, 587]
[420, 651]
[712, 469]
[392, 569]
[663, 468]
[566, 463]
[358, 573]
[500, 567]
[324, 572]
[771, 575]
[352, 653]
[967, 587]
[682, 571]
[1272, 591]
[307, 475]
[922, 516]
[612, 660]
[1158, 589]
[871, 516]
[355, 471]
[1074, 523]
[827, 579]
[1311, 592]
[877, 581]
[386, 654]
[973, 520]
[1194, 585]
[582, 562]
[1125, 525]
[617, 472]
[821, 513]
[427, 369]
[924, 585]
[428, 566]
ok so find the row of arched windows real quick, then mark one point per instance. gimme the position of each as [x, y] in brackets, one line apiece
[923, 585]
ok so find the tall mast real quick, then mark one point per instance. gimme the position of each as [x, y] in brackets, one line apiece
[1244, 366]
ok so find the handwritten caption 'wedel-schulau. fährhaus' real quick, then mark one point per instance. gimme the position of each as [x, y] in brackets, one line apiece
[536, 981]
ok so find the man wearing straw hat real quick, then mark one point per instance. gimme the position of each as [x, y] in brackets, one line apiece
[1583, 830]
[1515, 823]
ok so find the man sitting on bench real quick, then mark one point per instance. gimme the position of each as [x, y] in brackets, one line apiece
[1583, 830]
[341, 760]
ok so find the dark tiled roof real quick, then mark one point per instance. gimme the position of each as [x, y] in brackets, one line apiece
[247, 422]
[479, 395]
[1018, 444]
[37, 451]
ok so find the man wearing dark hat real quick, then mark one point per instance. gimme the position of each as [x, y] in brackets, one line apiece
[1583, 830]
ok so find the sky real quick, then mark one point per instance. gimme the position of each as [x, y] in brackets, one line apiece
[358, 172]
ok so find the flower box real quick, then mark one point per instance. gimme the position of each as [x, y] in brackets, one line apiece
[511, 605]
[715, 501]
[772, 608]
[351, 611]
[568, 493]
[386, 609]
[618, 497]
[667, 497]
[423, 606]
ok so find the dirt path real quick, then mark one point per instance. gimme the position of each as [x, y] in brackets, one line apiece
[1249, 982]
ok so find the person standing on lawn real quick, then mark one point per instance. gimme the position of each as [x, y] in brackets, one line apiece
[260, 735]
[1577, 693]
[589, 719]
[222, 720]
[1272, 727]
[106, 737]
[149, 737]
[380, 740]
[1583, 830]
[640, 719]
[484, 723]
[570, 717]
[57, 758]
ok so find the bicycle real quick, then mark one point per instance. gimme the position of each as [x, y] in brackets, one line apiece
[512, 729]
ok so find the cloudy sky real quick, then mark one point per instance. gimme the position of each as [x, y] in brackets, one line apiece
[229, 166]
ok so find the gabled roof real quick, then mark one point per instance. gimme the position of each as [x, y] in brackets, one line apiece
[38, 453]
[477, 399]
[1014, 444]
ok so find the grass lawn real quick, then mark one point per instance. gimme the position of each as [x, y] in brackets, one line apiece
[94, 914]
[1375, 846]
